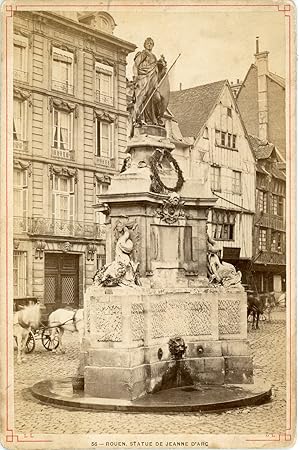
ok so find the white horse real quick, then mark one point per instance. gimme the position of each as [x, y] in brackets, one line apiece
[62, 320]
[26, 320]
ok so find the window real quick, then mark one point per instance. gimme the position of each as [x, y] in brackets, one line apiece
[63, 198]
[20, 189]
[223, 138]
[205, 133]
[229, 112]
[236, 182]
[62, 137]
[261, 201]
[277, 205]
[262, 240]
[226, 139]
[215, 178]
[19, 120]
[62, 70]
[276, 242]
[100, 188]
[20, 274]
[99, 218]
[104, 139]
[104, 83]
[229, 140]
[233, 141]
[20, 58]
[223, 223]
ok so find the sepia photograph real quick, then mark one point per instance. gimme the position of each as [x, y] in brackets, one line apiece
[147, 229]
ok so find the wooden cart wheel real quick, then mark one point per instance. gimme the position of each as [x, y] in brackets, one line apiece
[30, 343]
[46, 340]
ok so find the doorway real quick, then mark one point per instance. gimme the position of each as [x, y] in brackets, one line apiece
[61, 281]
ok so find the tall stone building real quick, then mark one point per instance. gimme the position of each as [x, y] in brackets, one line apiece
[261, 101]
[69, 130]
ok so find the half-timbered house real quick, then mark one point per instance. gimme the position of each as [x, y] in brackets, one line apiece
[219, 153]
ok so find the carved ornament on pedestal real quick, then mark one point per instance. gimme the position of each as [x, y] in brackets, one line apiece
[171, 210]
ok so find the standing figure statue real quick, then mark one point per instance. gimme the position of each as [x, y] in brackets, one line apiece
[220, 272]
[151, 89]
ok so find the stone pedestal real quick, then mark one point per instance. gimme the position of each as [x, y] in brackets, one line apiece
[125, 352]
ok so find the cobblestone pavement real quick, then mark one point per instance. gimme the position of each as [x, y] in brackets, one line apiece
[268, 347]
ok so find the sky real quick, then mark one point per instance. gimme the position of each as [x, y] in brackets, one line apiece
[214, 45]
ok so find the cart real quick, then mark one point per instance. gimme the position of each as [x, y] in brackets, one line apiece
[42, 334]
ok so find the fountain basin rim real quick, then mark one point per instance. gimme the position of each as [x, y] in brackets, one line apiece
[204, 398]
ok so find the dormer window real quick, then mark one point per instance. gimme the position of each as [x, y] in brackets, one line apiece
[62, 71]
[104, 83]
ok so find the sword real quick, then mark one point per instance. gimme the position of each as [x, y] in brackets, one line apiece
[157, 87]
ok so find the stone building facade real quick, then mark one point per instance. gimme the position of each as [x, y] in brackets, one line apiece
[261, 101]
[214, 147]
[69, 130]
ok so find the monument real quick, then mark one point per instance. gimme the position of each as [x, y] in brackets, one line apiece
[164, 311]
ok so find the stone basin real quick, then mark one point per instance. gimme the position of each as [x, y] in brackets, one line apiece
[208, 398]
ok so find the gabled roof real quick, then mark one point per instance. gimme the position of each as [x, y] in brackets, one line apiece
[278, 79]
[262, 149]
[277, 173]
[192, 107]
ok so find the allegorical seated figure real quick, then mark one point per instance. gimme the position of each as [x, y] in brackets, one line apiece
[219, 271]
[151, 88]
[122, 271]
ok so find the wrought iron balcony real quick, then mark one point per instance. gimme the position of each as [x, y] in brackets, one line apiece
[20, 224]
[41, 226]
[103, 98]
[20, 75]
[62, 86]
[20, 145]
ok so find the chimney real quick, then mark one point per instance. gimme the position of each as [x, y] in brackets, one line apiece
[261, 62]
[180, 86]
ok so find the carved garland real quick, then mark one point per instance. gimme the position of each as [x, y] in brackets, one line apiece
[23, 95]
[18, 164]
[63, 106]
[104, 179]
[105, 116]
[157, 184]
[63, 171]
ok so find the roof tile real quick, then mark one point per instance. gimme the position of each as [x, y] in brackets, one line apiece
[191, 107]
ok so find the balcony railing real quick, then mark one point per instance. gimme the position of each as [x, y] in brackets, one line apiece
[103, 98]
[270, 221]
[20, 145]
[20, 224]
[20, 75]
[59, 153]
[105, 162]
[62, 86]
[57, 227]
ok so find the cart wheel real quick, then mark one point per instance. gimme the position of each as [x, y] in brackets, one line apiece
[30, 343]
[46, 340]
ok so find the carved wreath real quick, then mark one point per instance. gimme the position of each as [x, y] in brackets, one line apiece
[157, 184]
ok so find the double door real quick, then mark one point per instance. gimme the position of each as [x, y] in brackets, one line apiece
[61, 281]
